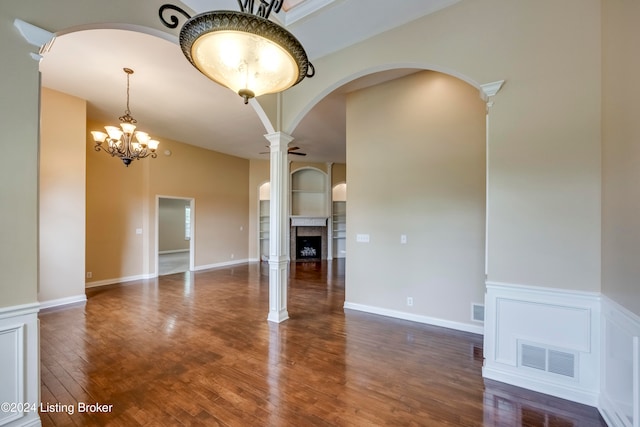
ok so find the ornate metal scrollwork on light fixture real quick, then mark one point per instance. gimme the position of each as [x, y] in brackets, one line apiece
[174, 20]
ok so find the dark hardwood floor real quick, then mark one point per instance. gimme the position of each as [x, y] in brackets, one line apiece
[196, 349]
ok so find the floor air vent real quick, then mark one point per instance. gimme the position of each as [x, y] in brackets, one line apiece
[561, 363]
[545, 359]
[534, 357]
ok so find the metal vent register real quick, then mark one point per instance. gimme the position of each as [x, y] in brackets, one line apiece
[548, 360]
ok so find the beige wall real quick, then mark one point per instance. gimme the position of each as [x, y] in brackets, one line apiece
[417, 167]
[171, 225]
[62, 196]
[621, 153]
[544, 196]
[339, 173]
[121, 200]
[220, 186]
[18, 165]
[115, 209]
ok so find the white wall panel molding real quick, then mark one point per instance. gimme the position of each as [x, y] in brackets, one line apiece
[12, 369]
[475, 329]
[19, 310]
[544, 339]
[19, 364]
[620, 373]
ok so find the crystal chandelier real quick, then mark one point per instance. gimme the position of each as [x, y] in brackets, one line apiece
[120, 141]
[241, 50]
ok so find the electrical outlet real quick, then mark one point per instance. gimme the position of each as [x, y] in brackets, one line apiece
[89, 275]
[232, 256]
[410, 301]
[403, 239]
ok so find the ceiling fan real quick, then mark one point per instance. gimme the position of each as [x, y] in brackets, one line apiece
[291, 150]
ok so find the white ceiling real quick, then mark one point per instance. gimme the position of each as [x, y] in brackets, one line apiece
[171, 99]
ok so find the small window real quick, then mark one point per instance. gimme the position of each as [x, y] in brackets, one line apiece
[187, 223]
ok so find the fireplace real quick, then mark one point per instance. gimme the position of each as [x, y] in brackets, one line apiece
[308, 242]
[308, 248]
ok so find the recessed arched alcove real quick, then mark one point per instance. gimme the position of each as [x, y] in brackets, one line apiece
[309, 214]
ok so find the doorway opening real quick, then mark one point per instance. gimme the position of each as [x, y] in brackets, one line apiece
[174, 236]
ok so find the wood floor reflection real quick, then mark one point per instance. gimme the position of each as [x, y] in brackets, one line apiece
[196, 349]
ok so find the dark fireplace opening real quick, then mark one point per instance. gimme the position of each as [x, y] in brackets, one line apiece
[309, 247]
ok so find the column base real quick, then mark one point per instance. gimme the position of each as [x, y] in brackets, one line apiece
[278, 316]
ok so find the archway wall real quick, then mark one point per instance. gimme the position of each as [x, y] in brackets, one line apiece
[545, 124]
[19, 108]
[19, 119]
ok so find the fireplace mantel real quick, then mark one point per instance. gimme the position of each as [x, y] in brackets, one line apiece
[308, 221]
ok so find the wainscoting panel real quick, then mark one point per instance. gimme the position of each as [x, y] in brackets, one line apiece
[11, 369]
[19, 365]
[543, 339]
[620, 397]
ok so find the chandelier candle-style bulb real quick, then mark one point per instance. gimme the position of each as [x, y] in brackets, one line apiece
[120, 140]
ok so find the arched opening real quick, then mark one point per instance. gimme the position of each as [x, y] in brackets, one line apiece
[309, 215]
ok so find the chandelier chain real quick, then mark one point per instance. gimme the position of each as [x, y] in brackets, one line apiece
[127, 118]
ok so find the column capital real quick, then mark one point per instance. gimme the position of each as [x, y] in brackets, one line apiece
[489, 90]
[35, 36]
[279, 138]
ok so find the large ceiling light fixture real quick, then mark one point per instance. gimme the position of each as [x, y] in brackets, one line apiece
[120, 141]
[241, 50]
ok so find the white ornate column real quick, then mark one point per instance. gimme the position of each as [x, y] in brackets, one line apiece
[487, 92]
[279, 227]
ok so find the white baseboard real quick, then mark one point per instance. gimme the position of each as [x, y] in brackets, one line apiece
[20, 370]
[542, 385]
[173, 251]
[221, 264]
[415, 318]
[113, 281]
[63, 301]
[116, 280]
[620, 372]
[551, 320]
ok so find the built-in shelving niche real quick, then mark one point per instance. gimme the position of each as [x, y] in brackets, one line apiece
[263, 221]
[312, 200]
[339, 220]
